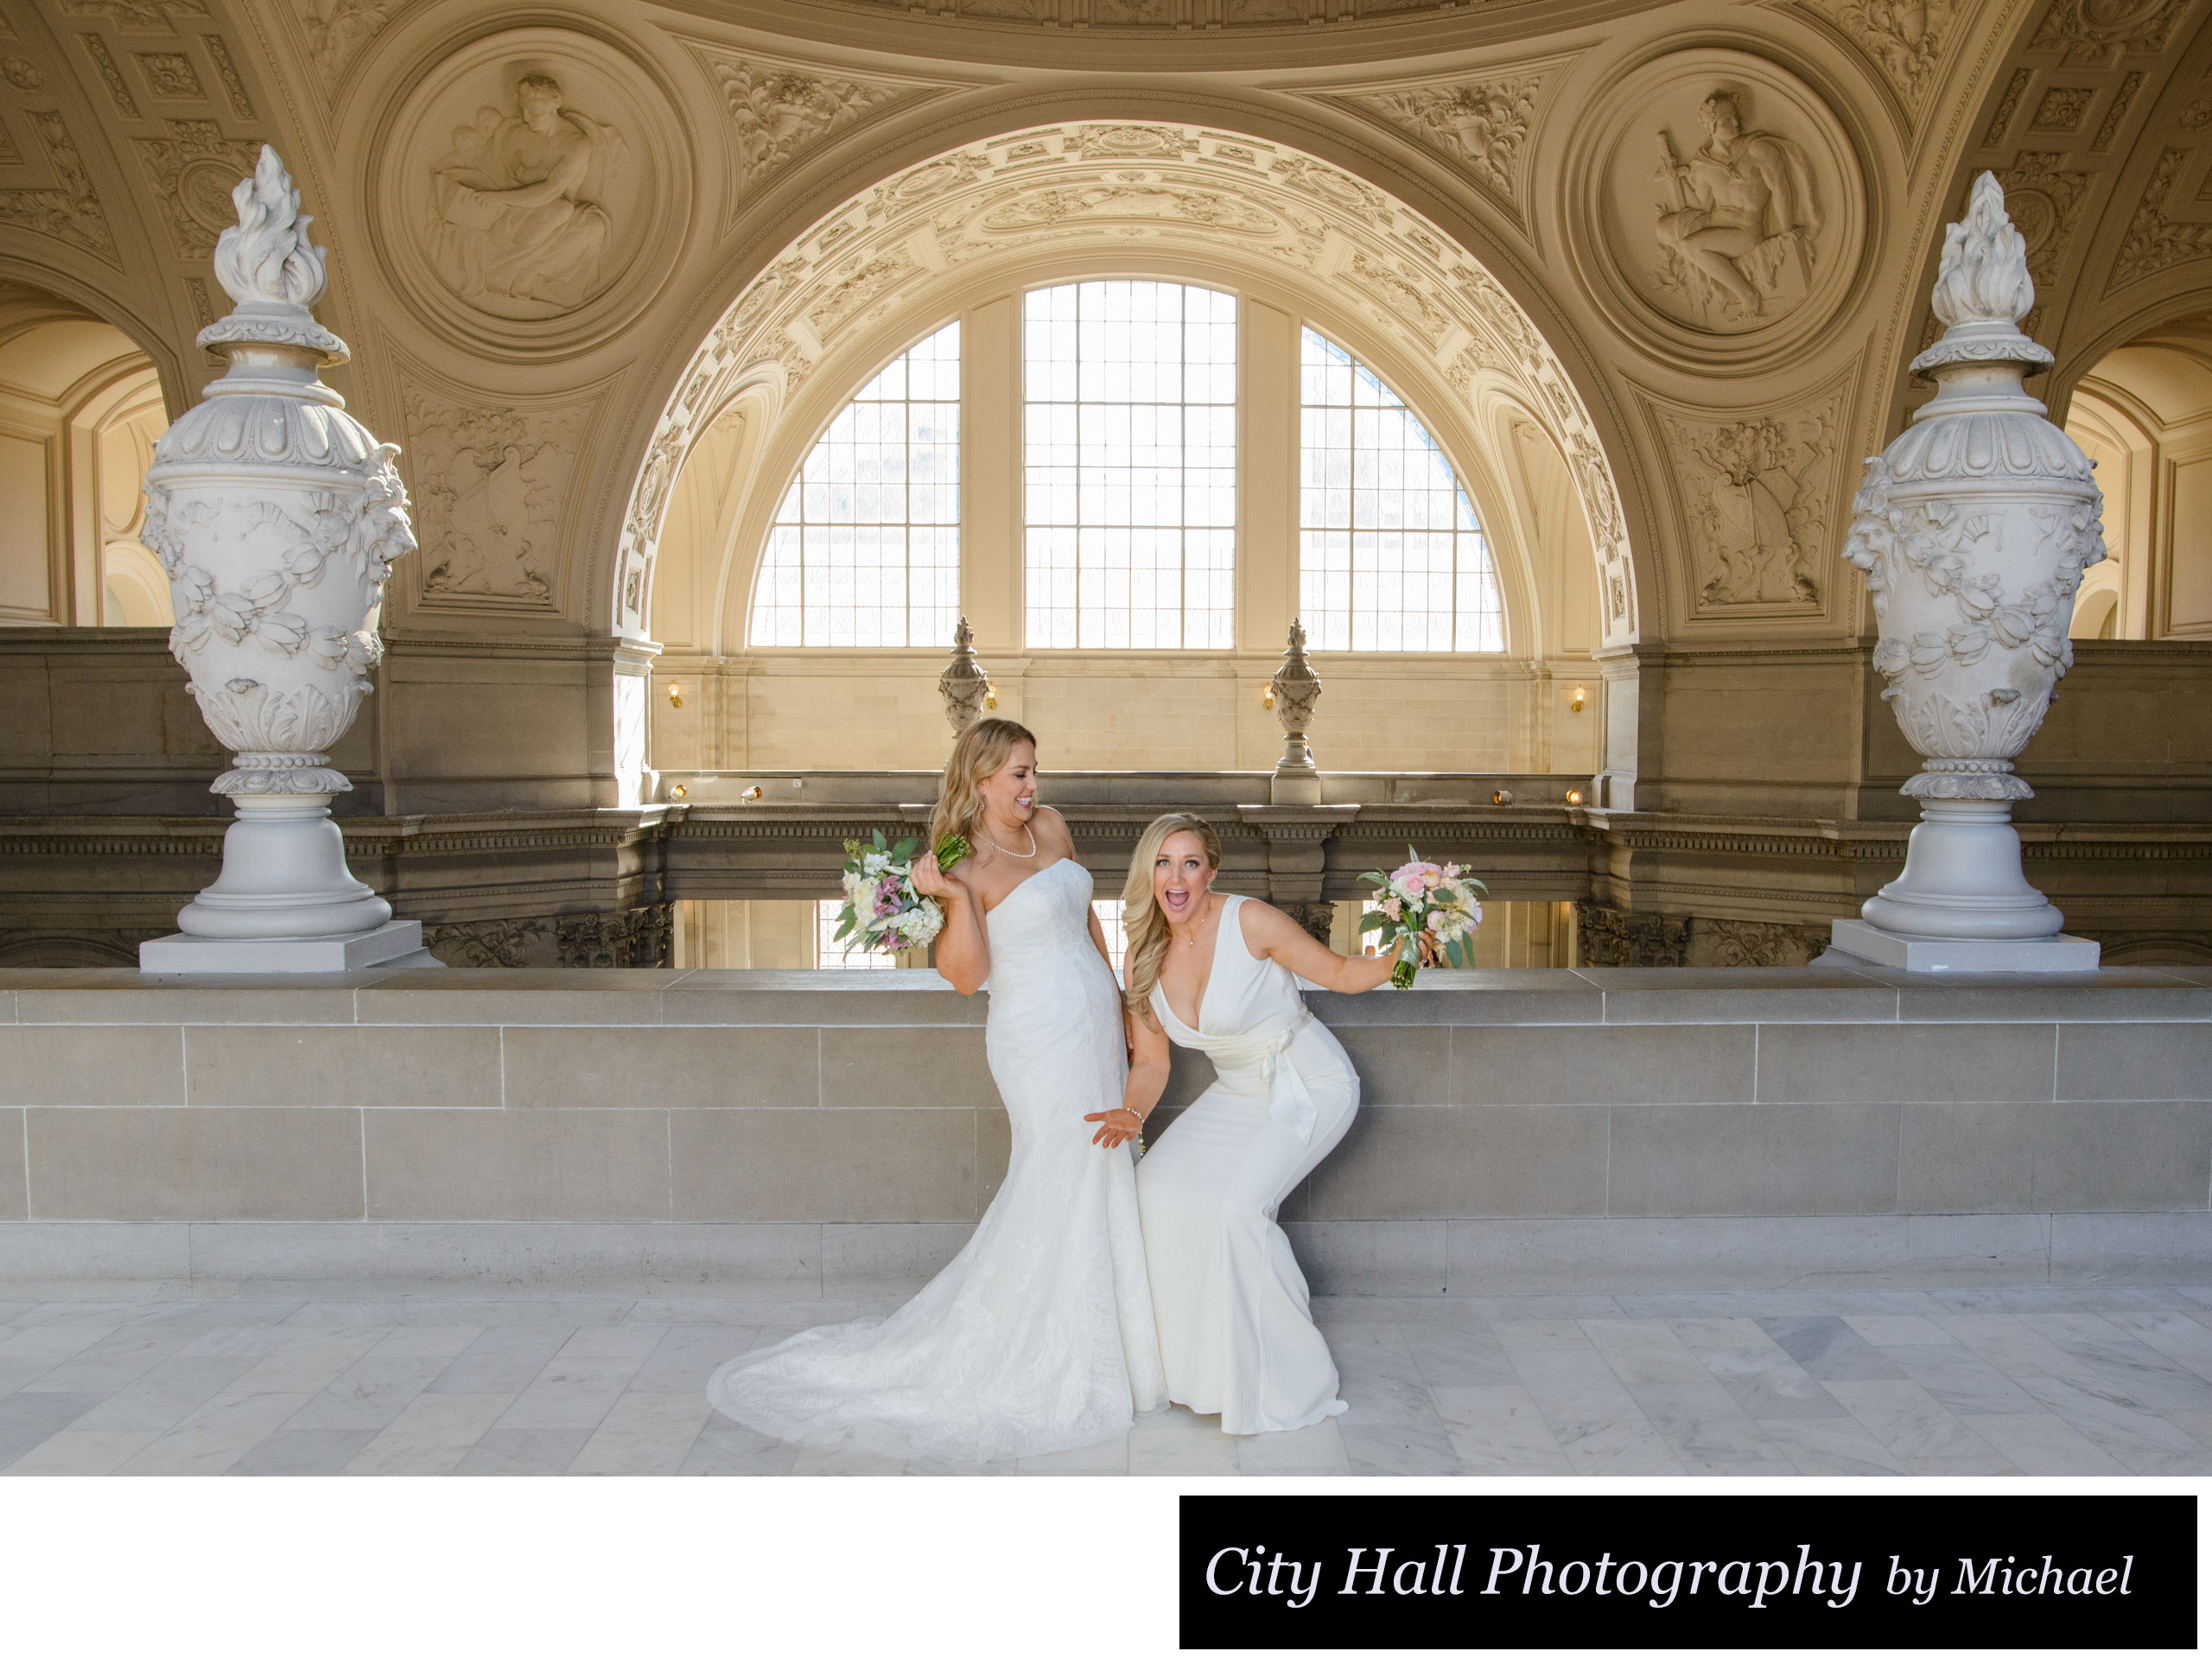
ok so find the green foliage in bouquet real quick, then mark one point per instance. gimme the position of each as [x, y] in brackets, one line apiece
[951, 850]
[1446, 903]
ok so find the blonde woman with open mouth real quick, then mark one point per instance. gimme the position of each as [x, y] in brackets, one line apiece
[1218, 974]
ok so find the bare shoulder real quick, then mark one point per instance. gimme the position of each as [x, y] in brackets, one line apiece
[1264, 926]
[1052, 831]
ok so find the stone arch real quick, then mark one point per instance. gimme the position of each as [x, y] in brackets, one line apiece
[1167, 198]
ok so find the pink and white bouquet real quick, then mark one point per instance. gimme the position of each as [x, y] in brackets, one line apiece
[1423, 899]
[883, 912]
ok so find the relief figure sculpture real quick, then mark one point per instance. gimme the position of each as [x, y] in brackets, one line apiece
[516, 225]
[1741, 221]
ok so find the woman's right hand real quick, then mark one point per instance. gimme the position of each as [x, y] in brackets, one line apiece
[931, 879]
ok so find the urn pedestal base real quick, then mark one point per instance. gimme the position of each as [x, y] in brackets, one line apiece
[1929, 953]
[400, 940]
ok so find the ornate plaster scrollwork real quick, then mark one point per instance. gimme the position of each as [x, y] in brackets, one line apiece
[1758, 491]
[2044, 197]
[69, 211]
[1973, 529]
[191, 170]
[337, 30]
[1482, 124]
[1905, 38]
[489, 486]
[2156, 239]
[2102, 31]
[779, 112]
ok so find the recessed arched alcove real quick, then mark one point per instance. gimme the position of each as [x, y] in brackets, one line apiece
[1301, 245]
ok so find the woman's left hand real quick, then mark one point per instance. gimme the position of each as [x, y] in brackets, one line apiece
[1120, 1126]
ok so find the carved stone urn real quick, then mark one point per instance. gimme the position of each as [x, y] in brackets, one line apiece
[1296, 691]
[1972, 529]
[277, 517]
[964, 681]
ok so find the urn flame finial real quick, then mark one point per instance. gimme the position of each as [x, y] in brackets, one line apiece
[266, 256]
[1984, 277]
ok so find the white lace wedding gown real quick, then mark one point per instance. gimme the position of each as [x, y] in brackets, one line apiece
[1038, 1336]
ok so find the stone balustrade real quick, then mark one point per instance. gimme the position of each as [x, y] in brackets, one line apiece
[836, 1132]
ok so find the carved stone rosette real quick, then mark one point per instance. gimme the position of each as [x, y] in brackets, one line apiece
[964, 681]
[1972, 529]
[1297, 690]
[277, 517]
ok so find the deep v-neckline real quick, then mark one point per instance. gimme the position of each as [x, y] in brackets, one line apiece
[1024, 885]
[1213, 970]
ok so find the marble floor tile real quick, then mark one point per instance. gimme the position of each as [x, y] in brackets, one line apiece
[523, 1450]
[242, 1341]
[28, 1419]
[1829, 1348]
[930, 1467]
[164, 1395]
[18, 1373]
[53, 1340]
[505, 1358]
[853, 1462]
[427, 1340]
[1826, 1445]
[217, 1434]
[1961, 1382]
[1708, 1429]
[448, 1312]
[303, 1451]
[1174, 1441]
[1699, 1333]
[2133, 1437]
[1110, 1456]
[1888, 1329]
[1909, 1421]
[84, 1454]
[645, 1432]
[1645, 1352]
[310, 1363]
[1317, 1449]
[433, 1434]
[2043, 1446]
[1767, 1382]
[2145, 1375]
[2008, 1345]
[1399, 1447]
[1537, 1308]
[1498, 1429]
[2183, 1337]
[725, 1447]
[621, 1340]
[1470, 1356]
[1599, 1427]
[1541, 1335]
[368, 1395]
[687, 1353]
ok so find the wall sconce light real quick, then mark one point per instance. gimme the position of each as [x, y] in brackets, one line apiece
[679, 792]
[1501, 796]
[676, 695]
[750, 793]
[1575, 704]
[1267, 697]
[990, 697]
[1574, 799]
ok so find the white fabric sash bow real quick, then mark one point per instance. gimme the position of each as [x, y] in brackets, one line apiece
[1289, 1101]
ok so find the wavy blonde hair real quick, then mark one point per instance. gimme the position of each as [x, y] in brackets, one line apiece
[1144, 926]
[980, 753]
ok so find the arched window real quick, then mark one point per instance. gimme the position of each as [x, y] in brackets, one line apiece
[1391, 558]
[866, 548]
[1129, 465]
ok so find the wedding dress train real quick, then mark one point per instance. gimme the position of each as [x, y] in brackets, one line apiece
[1038, 1336]
[1236, 1333]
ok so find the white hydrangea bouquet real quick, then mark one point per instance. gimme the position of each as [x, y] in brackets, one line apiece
[1423, 899]
[883, 912]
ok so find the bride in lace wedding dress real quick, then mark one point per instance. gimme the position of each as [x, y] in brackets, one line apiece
[1038, 1336]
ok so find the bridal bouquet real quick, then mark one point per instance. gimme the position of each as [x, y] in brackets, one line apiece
[1421, 899]
[883, 913]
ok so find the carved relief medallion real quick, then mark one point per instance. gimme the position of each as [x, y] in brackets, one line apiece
[533, 180]
[1725, 210]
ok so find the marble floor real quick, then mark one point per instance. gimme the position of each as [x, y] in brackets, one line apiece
[1988, 1381]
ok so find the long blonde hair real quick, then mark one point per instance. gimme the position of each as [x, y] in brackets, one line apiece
[1145, 927]
[980, 753]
